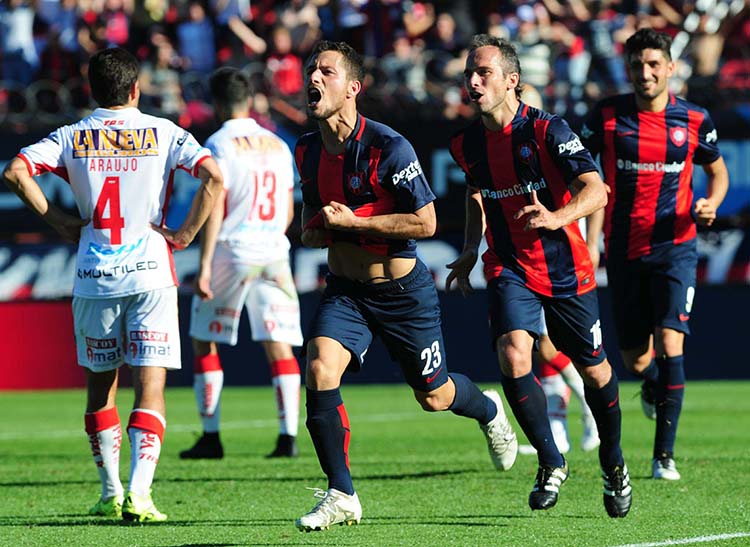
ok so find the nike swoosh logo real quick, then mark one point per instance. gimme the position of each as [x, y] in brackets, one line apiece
[431, 378]
[625, 133]
[596, 352]
[684, 317]
[473, 165]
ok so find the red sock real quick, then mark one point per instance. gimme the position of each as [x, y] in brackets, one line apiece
[554, 365]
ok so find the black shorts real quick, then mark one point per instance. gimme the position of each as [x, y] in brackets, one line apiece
[651, 291]
[405, 313]
[573, 323]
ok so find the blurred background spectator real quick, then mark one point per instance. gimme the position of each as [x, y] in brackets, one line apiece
[415, 51]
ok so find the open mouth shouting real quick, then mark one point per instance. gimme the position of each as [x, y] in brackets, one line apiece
[313, 97]
[475, 95]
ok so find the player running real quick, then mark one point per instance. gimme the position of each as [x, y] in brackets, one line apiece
[529, 179]
[244, 263]
[120, 165]
[367, 199]
[649, 141]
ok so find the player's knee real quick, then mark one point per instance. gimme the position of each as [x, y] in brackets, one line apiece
[320, 375]
[669, 342]
[513, 360]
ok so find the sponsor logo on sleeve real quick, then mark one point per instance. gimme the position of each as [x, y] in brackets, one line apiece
[408, 173]
[183, 139]
[586, 132]
[712, 136]
[571, 147]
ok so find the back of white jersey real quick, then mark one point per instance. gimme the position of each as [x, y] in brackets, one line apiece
[120, 165]
[258, 179]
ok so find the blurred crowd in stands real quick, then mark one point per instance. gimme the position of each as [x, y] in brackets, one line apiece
[415, 52]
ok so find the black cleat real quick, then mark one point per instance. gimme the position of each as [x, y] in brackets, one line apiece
[648, 401]
[547, 486]
[286, 447]
[618, 495]
[207, 447]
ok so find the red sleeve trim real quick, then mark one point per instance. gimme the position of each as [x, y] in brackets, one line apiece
[198, 164]
[30, 167]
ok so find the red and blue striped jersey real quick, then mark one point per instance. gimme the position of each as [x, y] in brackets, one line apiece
[378, 174]
[647, 159]
[536, 151]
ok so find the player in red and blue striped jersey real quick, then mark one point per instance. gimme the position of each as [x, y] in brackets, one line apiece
[530, 178]
[649, 142]
[367, 200]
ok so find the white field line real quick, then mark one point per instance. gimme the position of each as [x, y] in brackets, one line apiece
[182, 428]
[689, 541]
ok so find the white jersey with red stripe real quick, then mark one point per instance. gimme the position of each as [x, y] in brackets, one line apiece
[258, 179]
[120, 165]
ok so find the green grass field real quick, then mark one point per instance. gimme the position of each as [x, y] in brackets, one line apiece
[422, 479]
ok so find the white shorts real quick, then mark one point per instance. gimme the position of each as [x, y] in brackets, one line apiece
[141, 330]
[267, 292]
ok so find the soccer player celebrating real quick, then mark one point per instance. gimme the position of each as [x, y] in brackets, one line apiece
[119, 164]
[649, 141]
[245, 263]
[528, 180]
[367, 200]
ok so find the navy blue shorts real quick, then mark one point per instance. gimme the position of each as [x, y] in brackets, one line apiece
[651, 291]
[405, 313]
[572, 323]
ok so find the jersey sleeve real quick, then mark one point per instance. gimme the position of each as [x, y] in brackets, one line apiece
[592, 131]
[45, 156]
[567, 150]
[187, 154]
[221, 160]
[310, 194]
[401, 173]
[286, 167]
[707, 150]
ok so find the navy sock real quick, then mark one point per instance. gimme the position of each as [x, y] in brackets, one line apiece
[526, 397]
[328, 425]
[650, 373]
[470, 401]
[604, 403]
[668, 394]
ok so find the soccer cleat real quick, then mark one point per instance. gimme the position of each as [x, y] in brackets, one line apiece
[618, 495]
[334, 507]
[109, 507]
[664, 468]
[547, 486]
[560, 434]
[207, 447]
[286, 447]
[590, 439]
[501, 440]
[138, 508]
[648, 402]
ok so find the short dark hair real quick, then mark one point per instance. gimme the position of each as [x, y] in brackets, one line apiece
[508, 56]
[648, 38]
[352, 60]
[230, 87]
[112, 73]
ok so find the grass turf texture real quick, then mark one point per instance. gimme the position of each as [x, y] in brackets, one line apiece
[423, 479]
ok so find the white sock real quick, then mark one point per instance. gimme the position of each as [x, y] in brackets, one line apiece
[105, 437]
[558, 394]
[145, 430]
[285, 378]
[207, 387]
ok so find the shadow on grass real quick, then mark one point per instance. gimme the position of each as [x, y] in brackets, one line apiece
[271, 478]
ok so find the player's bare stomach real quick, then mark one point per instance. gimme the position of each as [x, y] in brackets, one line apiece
[353, 262]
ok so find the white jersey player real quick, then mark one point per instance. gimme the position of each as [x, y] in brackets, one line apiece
[119, 163]
[245, 264]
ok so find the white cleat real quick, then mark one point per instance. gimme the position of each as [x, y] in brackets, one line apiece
[334, 507]
[560, 434]
[590, 439]
[501, 440]
[665, 469]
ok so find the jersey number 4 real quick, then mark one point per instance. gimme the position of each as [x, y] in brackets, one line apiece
[110, 195]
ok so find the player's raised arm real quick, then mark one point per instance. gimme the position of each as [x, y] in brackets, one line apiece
[17, 178]
[205, 198]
